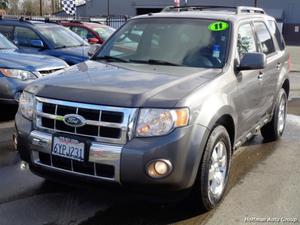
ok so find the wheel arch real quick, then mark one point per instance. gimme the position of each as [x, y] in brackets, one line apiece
[225, 117]
[286, 86]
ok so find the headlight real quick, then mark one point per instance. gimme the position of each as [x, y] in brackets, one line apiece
[27, 105]
[18, 74]
[157, 122]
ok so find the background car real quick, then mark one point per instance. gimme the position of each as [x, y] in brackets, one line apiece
[19, 69]
[46, 38]
[94, 33]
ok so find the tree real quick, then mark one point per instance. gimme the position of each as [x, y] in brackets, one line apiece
[31, 7]
[13, 7]
[4, 4]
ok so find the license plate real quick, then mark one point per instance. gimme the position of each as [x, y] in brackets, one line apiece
[68, 148]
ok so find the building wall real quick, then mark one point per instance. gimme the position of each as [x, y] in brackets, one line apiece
[129, 7]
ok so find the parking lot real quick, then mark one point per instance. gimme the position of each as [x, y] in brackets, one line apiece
[264, 183]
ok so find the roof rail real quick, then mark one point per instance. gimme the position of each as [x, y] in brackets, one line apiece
[196, 8]
[237, 10]
[51, 19]
[247, 9]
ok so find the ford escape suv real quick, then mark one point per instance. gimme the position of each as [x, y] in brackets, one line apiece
[163, 104]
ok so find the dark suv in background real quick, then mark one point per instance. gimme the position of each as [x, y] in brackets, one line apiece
[46, 38]
[164, 103]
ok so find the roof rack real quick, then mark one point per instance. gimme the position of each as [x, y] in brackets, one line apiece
[50, 19]
[237, 10]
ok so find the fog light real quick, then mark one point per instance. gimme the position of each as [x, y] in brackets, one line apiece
[159, 168]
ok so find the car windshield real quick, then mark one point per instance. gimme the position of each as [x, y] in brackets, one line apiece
[61, 37]
[104, 32]
[170, 41]
[6, 44]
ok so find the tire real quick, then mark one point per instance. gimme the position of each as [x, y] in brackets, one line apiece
[273, 130]
[214, 170]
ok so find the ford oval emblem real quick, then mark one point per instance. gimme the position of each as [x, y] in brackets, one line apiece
[74, 120]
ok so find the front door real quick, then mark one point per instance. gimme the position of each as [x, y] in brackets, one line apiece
[249, 83]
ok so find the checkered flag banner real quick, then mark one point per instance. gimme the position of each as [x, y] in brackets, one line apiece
[69, 6]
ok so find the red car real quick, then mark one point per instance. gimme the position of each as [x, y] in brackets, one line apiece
[94, 33]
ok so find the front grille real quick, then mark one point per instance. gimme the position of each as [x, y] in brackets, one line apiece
[92, 169]
[106, 124]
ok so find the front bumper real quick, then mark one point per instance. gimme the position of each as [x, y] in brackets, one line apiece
[183, 148]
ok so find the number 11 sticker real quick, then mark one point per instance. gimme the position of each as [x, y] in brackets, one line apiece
[218, 26]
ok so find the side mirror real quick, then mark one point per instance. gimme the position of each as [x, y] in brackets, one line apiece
[253, 61]
[37, 44]
[93, 40]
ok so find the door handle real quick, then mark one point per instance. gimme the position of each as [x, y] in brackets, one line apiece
[260, 76]
[278, 65]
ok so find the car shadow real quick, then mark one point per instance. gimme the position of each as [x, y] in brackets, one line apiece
[7, 112]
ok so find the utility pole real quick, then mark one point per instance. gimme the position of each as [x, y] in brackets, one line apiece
[53, 6]
[108, 8]
[255, 3]
[41, 7]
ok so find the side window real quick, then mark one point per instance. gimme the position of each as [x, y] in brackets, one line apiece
[246, 40]
[275, 31]
[82, 32]
[7, 31]
[23, 36]
[264, 38]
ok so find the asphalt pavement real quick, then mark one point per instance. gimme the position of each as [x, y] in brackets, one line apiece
[264, 186]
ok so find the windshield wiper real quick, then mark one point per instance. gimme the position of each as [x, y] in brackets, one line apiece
[111, 58]
[155, 62]
[60, 47]
[71, 46]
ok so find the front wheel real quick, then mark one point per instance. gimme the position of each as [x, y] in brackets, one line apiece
[214, 169]
[274, 129]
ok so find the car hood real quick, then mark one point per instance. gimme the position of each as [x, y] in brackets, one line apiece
[128, 85]
[72, 55]
[14, 59]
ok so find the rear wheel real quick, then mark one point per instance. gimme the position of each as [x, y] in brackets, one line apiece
[214, 169]
[274, 129]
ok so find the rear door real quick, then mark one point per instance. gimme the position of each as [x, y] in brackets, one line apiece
[270, 74]
[248, 83]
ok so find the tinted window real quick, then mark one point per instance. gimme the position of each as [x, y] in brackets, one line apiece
[246, 40]
[184, 42]
[264, 38]
[23, 36]
[275, 31]
[7, 31]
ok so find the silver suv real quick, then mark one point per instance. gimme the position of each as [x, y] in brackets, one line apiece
[163, 105]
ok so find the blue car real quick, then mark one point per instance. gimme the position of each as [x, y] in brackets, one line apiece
[19, 69]
[46, 38]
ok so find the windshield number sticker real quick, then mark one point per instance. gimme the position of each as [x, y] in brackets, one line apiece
[218, 26]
